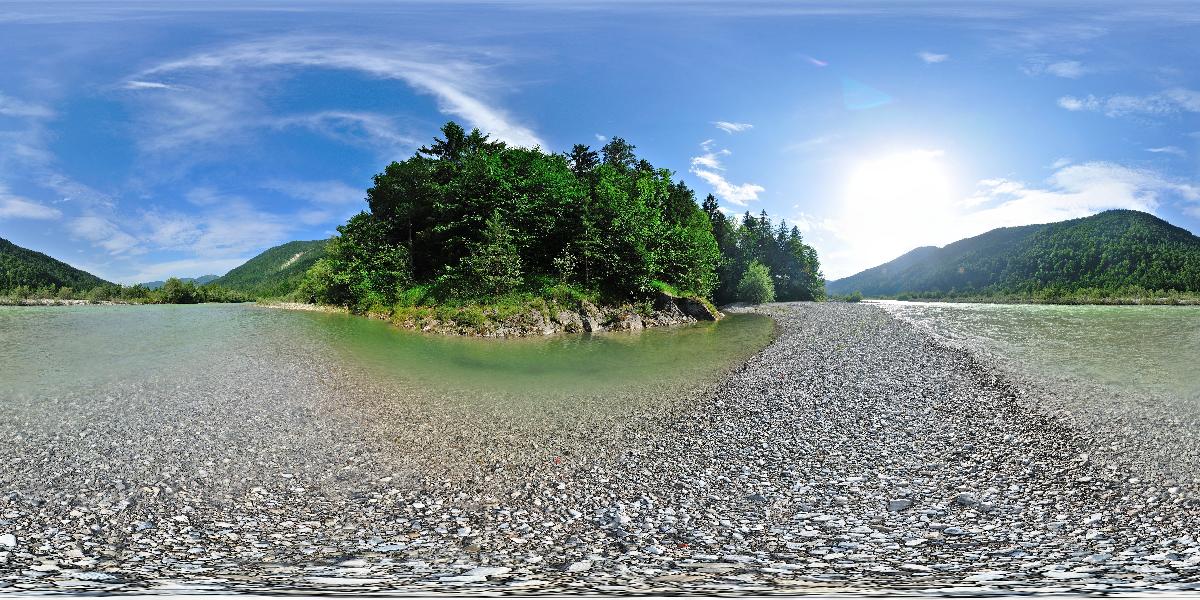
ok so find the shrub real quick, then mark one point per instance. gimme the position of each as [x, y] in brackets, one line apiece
[756, 286]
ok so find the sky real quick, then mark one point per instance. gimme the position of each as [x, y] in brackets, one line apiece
[140, 140]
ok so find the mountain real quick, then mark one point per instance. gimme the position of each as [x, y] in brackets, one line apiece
[276, 271]
[1107, 251]
[21, 266]
[201, 280]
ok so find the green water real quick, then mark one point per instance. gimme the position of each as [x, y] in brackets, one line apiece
[1140, 350]
[46, 352]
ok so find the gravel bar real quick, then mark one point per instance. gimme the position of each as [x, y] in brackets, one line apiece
[855, 453]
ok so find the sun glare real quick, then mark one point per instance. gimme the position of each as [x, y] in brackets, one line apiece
[898, 201]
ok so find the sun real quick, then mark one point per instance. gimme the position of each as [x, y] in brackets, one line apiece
[896, 202]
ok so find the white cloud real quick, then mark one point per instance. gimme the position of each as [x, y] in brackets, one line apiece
[16, 207]
[811, 143]
[147, 85]
[462, 85]
[319, 192]
[105, 234]
[1176, 150]
[188, 267]
[731, 127]
[1170, 101]
[1069, 69]
[601, 138]
[933, 58]
[706, 167]
[11, 107]
[373, 130]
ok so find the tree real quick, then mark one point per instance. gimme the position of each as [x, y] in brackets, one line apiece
[494, 267]
[756, 286]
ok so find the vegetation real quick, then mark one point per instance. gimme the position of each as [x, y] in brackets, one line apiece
[756, 286]
[27, 276]
[277, 271]
[173, 291]
[471, 226]
[23, 267]
[1118, 256]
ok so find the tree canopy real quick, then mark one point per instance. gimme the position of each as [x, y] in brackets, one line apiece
[467, 217]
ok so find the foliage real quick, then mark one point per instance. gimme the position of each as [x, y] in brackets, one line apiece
[1104, 255]
[468, 220]
[794, 267]
[756, 285]
[275, 272]
[173, 291]
[23, 267]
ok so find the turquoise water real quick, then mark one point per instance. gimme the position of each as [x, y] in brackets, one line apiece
[1146, 350]
[52, 351]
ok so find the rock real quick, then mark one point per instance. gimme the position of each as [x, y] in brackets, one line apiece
[591, 317]
[488, 571]
[579, 566]
[954, 531]
[571, 322]
[8, 540]
[698, 310]
[899, 504]
[965, 499]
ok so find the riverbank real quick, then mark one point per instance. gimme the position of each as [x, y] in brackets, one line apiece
[854, 453]
[535, 318]
[1172, 299]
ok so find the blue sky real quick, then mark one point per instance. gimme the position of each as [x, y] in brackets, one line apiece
[141, 140]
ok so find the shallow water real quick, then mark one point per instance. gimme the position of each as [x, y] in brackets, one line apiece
[1144, 351]
[46, 352]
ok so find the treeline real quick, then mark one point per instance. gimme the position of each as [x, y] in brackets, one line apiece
[468, 219]
[174, 291]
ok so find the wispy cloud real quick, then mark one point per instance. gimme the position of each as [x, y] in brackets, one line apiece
[601, 138]
[811, 143]
[1176, 150]
[462, 83]
[382, 133]
[1170, 101]
[17, 207]
[102, 232]
[731, 127]
[12, 107]
[707, 167]
[134, 84]
[1069, 69]
[932, 58]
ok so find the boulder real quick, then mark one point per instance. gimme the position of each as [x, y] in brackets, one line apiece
[592, 318]
[571, 322]
[698, 310]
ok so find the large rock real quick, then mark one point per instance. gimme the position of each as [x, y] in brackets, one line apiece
[698, 310]
[592, 318]
[571, 322]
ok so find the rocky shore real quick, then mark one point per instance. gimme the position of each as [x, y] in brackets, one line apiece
[664, 311]
[854, 453]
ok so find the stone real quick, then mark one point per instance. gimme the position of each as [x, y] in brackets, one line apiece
[899, 504]
[8, 540]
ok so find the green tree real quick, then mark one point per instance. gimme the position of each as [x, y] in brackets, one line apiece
[756, 286]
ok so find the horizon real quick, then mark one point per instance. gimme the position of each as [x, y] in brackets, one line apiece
[148, 140]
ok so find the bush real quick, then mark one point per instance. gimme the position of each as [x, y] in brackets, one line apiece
[756, 286]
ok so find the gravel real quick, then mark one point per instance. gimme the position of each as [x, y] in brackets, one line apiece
[856, 452]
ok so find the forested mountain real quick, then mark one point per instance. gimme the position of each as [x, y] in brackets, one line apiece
[275, 272]
[1110, 251]
[201, 280]
[21, 267]
[468, 219]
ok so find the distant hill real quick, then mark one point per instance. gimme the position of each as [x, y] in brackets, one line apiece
[1107, 251]
[201, 280]
[275, 272]
[21, 266]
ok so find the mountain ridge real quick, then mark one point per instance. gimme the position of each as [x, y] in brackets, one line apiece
[21, 266]
[275, 271]
[1106, 251]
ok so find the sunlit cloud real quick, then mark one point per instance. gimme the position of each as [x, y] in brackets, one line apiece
[102, 232]
[707, 167]
[731, 127]
[933, 57]
[12, 107]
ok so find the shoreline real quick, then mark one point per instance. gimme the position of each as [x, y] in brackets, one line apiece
[854, 453]
[667, 311]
